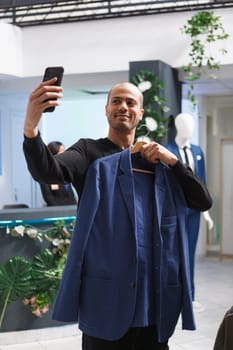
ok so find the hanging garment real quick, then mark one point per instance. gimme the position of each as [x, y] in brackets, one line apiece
[99, 285]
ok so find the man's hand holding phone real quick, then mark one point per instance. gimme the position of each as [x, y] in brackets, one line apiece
[44, 98]
[50, 73]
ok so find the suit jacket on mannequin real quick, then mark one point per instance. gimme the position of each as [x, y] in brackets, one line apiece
[193, 216]
[99, 284]
[198, 158]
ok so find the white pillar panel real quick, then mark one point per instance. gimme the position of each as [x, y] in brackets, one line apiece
[226, 194]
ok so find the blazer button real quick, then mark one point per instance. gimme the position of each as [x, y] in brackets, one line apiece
[132, 284]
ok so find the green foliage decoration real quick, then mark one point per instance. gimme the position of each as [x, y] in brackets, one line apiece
[153, 125]
[203, 28]
[35, 281]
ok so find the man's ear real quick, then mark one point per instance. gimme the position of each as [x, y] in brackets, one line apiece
[142, 113]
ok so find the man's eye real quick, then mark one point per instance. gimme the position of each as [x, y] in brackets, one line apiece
[130, 103]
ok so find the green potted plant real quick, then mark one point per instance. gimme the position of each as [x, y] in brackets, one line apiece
[35, 281]
[203, 28]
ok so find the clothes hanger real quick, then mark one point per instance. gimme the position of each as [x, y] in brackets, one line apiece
[144, 171]
[136, 148]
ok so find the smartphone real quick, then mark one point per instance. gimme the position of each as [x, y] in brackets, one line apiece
[52, 72]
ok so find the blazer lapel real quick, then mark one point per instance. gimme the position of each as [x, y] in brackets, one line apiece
[126, 183]
[127, 187]
[159, 191]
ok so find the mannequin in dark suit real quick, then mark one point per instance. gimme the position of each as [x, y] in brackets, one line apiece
[193, 156]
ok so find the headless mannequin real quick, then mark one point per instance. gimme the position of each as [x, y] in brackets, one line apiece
[194, 157]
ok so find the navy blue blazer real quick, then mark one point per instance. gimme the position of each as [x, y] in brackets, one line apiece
[98, 288]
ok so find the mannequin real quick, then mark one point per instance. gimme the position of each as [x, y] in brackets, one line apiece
[194, 157]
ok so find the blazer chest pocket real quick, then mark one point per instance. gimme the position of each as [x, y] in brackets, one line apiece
[169, 232]
[171, 250]
[168, 220]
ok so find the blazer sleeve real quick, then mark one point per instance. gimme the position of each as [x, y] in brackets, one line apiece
[66, 307]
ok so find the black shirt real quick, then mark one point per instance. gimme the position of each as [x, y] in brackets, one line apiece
[71, 167]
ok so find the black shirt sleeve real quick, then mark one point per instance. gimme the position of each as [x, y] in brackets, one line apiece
[195, 191]
[67, 167]
[41, 164]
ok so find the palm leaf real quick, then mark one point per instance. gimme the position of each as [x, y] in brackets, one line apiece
[15, 281]
[45, 274]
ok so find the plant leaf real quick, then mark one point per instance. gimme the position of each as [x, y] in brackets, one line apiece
[45, 273]
[15, 276]
[15, 282]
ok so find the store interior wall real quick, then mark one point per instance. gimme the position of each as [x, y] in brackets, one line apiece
[92, 64]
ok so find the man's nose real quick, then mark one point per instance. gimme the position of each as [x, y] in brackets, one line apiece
[123, 106]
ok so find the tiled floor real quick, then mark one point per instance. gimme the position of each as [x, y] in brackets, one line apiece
[214, 289]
